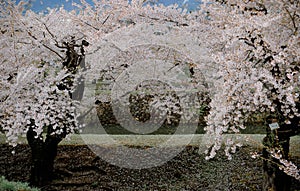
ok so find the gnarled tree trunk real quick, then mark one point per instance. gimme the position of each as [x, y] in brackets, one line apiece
[274, 178]
[43, 156]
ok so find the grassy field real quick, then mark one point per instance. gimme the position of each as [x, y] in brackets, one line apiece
[151, 140]
[253, 140]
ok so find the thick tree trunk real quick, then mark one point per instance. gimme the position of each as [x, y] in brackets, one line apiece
[43, 156]
[274, 178]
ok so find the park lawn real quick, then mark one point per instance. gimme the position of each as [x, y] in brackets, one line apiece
[253, 140]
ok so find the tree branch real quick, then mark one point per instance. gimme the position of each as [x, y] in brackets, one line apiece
[32, 36]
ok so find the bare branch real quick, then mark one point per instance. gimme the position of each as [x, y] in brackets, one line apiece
[105, 20]
[166, 20]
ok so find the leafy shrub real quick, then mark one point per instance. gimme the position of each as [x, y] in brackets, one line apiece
[6, 185]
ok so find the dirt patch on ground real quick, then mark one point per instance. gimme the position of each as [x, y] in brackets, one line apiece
[78, 168]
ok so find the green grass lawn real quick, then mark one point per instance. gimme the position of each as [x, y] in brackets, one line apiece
[254, 140]
[150, 140]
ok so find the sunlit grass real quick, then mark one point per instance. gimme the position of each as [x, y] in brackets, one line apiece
[254, 140]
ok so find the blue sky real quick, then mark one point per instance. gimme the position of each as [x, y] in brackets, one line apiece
[41, 5]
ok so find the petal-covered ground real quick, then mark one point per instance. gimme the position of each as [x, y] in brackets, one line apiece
[78, 168]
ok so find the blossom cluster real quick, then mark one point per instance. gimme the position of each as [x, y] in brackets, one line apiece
[34, 47]
[258, 65]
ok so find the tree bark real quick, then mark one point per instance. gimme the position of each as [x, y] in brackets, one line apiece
[43, 156]
[274, 178]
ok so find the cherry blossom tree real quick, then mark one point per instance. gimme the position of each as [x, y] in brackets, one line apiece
[254, 44]
[43, 67]
[40, 65]
[258, 74]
